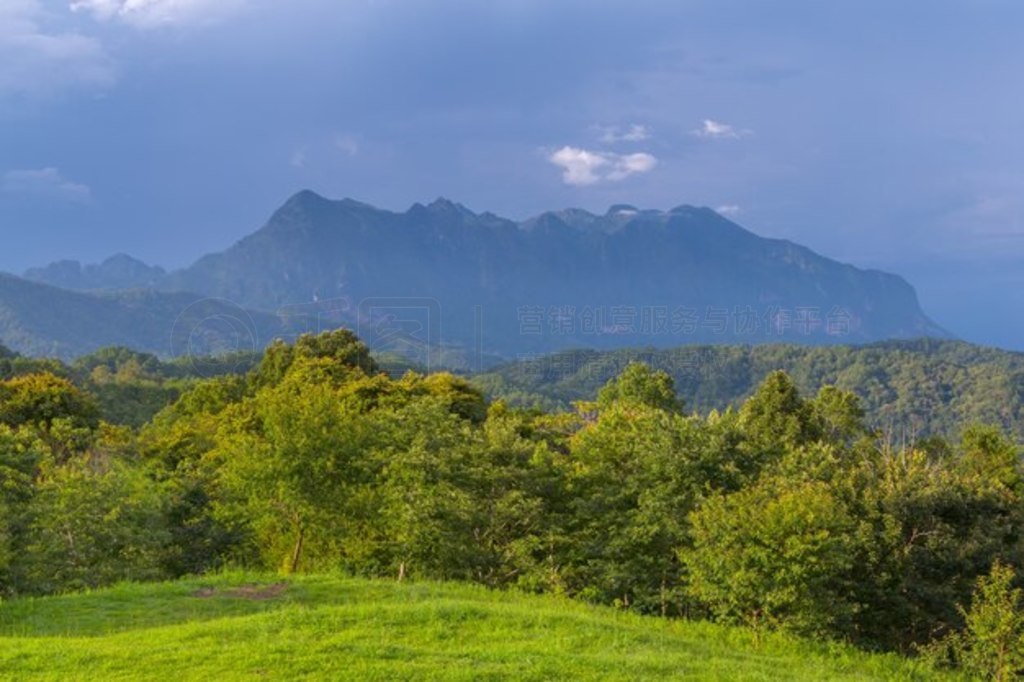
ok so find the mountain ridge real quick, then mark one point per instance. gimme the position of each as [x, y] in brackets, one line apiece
[687, 256]
[558, 280]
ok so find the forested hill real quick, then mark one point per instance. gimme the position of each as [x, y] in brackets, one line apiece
[908, 388]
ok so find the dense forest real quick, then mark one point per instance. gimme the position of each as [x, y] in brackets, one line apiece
[908, 388]
[789, 512]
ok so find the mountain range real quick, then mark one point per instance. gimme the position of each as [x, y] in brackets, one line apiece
[440, 275]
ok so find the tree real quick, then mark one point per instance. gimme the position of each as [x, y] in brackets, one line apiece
[428, 509]
[39, 400]
[632, 477]
[290, 457]
[994, 642]
[92, 525]
[986, 452]
[839, 414]
[64, 416]
[21, 454]
[926, 530]
[340, 346]
[991, 645]
[776, 417]
[775, 555]
[639, 384]
[174, 447]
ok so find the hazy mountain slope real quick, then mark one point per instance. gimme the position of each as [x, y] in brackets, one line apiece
[117, 272]
[37, 319]
[443, 274]
[562, 279]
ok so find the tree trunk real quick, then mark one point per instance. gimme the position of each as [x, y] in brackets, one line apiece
[297, 551]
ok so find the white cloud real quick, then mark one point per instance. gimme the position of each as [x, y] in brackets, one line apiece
[728, 210]
[581, 167]
[34, 60]
[298, 158]
[718, 130]
[630, 164]
[46, 183]
[156, 13]
[613, 134]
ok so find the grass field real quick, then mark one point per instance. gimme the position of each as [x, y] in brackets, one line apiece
[238, 626]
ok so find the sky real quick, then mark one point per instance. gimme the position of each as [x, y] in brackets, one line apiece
[888, 135]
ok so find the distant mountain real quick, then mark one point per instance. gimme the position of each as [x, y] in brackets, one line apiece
[117, 272]
[443, 275]
[560, 280]
[908, 388]
[41, 320]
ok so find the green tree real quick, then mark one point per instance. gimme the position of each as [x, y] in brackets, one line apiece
[290, 458]
[925, 531]
[428, 510]
[991, 644]
[776, 417]
[986, 452]
[639, 384]
[21, 454]
[839, 414]
[994, 636]
[774, 555]
[632, 477]
[65, 417]
[340, 346]
[93, 524]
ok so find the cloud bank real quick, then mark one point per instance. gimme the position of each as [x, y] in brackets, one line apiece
[582, 167]
[46, 183]
[35, 60]
[614, 134]
[717, 130]
[155, 13]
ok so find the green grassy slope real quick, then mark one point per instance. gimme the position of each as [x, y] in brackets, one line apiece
[247, 627]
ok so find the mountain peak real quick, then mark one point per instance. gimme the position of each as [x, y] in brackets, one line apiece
[122, 260]
[305, 197]
[443, 207]
[309, 200]
[442, 204]
[622, 209]
[684, 209]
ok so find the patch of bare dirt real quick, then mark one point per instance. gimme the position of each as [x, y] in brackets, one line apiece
[250, 592]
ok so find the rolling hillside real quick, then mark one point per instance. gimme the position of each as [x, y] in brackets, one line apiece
[237, 627]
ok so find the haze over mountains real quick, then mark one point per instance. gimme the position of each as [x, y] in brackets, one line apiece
[440, 273]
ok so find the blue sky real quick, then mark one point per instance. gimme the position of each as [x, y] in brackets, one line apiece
[889, 135]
